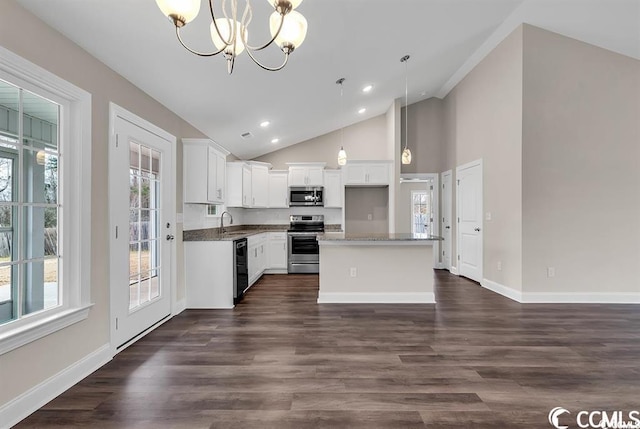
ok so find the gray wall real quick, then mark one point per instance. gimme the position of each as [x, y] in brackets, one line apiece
[359, 203]
[426, 136]
[581, 167]
[364, 140]
[27, 366]
[483, 119]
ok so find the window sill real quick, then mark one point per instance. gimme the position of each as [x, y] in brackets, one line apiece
[37, 329]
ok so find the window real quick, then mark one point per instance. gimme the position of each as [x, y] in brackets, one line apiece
[421, 213]
[45, 181]
[212, 210]
[29, 207]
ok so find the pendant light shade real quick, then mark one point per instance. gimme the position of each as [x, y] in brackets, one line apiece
[406, 153]
[342, 154]
[406, 156]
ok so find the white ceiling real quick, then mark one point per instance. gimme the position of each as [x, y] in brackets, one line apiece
[361, 40]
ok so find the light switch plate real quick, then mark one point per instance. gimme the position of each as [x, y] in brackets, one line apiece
[487, 216]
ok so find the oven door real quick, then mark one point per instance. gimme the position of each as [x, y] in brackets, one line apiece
[303, 248]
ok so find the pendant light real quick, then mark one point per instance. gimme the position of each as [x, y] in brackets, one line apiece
[342, 154]
[406, 153]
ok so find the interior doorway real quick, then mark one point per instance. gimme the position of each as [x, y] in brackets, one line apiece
[469, 220]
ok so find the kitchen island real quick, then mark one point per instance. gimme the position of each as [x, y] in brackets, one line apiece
[376, 268]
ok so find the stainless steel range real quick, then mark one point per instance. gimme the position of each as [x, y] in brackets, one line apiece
[304, 253]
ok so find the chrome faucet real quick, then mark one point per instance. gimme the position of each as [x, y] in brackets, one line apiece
[222, 221]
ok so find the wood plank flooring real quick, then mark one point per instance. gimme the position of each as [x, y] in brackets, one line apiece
[279, 360]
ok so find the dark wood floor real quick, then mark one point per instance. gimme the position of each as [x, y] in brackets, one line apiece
[279, 360]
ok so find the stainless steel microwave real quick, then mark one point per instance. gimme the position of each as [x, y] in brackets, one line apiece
[306, 196]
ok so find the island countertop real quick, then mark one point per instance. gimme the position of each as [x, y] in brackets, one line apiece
[335, 238]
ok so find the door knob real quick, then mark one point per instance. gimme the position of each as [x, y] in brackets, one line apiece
[447, 227]
[170, 237]
[477, 229]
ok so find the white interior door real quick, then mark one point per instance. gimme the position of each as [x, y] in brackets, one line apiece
[140, 192]
[469, 214]
[446, 219]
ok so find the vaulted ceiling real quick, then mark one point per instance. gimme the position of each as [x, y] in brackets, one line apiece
[361, 40]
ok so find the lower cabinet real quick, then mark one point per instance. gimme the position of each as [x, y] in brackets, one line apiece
[257, 261]
[277, 252]
[209, 267]
[209, 274]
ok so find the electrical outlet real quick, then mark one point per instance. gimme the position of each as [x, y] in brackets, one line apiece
[499, 265]
[487, 216]
[370, 216]
[354, 272]
[551, 272]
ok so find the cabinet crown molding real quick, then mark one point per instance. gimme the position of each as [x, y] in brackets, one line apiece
[209, 142]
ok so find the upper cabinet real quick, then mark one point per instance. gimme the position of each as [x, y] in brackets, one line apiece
[367, 173]
[306, 173]
[333, 189]
[238, 184]
[247, 184]
[259, 184]
[204, 170]
[278, 189]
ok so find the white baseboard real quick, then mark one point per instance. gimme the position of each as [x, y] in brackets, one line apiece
[180, 306]
[377, 298]
[30, 401]
[453, 270]
[505, 291]
[276, 271]
[580, 298]
[561, 297]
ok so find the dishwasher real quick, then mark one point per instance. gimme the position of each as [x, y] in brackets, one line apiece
[240, 269]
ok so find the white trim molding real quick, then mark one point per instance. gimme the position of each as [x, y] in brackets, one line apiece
[505, 291]
[377, 298]
[180, 306]
[560, 297]
[580, 298]
[75, 227]
[30, 332]
[454, 270]
[30, 401]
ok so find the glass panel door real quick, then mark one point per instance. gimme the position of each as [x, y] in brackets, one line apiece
[144, 206]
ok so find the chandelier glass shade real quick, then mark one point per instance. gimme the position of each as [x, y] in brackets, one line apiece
[229, 33]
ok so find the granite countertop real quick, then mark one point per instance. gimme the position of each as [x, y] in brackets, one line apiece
[341, 236]
[236, 232]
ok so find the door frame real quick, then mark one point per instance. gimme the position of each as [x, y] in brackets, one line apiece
[475, 163]
[435, 180]
[116, 112]
[451, 214]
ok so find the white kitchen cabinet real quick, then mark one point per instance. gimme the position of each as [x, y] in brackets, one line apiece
[306, 174]
[278, 189]
[333, 189]
[257, 258]
[367, 173]
[277, 252]
[238, 184]
[209, 274]
[204, 169]
[259, 184]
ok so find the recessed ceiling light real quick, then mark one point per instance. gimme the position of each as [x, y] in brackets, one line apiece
[264, 124]
[367, 88]
[361, 111]
[274, 141]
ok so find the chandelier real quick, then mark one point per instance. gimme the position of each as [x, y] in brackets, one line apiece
[230, 36]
